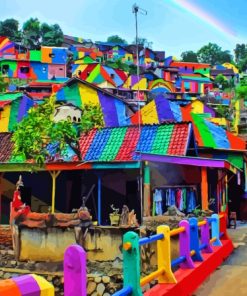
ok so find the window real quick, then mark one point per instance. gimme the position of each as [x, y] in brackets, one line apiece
[74, 119]
[193, 68]
[44, 69]
[128, 58]
[51, 55]
[112, 76]
[24, 70]
[5, 69]
[185, 68]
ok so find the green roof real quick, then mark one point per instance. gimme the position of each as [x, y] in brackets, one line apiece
[10, 96]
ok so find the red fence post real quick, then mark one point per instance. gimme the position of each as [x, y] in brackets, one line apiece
[75, 273]
[223, 225]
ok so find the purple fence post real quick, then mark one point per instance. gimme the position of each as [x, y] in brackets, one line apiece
[205, 238]
[184, 245]
[75, 273]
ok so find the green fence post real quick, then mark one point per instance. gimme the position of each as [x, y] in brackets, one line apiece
[132, 262]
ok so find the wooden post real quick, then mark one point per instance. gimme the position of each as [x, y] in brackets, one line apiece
[147, 199]
[205, 238]
[204, 188]
[164, 256]
[194, 239]
[132, 263]
[1, 190]
[184, 245]
[54, 176]
[99, 199]
[75, 271]
[215, 229]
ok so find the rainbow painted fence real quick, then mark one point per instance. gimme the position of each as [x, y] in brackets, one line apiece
[199, 256]
[75, 278]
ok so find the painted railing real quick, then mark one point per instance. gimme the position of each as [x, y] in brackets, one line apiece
[75, 278]
[190, 248]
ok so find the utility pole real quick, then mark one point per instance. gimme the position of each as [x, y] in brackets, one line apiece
[135, 10]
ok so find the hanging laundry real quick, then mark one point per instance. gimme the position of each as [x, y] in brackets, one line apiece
[158, 201]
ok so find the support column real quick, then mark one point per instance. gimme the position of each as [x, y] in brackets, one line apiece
[204, 188]
[147, 199]
[1, 191]
[54, 176]
[99, 199]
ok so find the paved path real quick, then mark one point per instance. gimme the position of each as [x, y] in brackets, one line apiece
[230, 279]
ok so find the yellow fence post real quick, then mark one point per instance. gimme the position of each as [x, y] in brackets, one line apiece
[54, 176]
[164, 256]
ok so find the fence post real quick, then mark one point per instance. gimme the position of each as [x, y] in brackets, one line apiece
[215, 229]
[75, 274]
[164, 256]
[184, 245]
[132, 262]
[194, 239]
[223, 225]
[205, 238]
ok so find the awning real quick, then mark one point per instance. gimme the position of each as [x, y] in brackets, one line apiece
[191, 161]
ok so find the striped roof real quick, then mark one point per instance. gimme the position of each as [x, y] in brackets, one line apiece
[122, 143]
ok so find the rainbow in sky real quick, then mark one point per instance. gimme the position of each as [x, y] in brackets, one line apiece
[204, 16]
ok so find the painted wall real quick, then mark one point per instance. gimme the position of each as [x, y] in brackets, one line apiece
[114, 110]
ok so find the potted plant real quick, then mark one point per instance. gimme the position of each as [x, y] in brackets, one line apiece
[114, 216]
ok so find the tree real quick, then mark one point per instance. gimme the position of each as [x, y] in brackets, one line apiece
[3, 85]
[33, 134]
[10, 29]
[31, 33]
[116, 39]
[143, 42]
[189, 56]
[51, 35]
[240, 52]
[213, 54]
[221, 81]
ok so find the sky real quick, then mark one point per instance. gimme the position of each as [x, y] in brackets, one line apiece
[172, 25]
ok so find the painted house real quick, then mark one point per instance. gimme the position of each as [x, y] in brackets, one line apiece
[78, 92]
[119, 52]
[43, 64]
[39, 90]
[14, 106]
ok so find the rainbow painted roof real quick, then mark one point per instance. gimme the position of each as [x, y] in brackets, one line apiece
[122, 143]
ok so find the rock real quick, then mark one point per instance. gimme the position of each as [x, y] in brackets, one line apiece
[91, 286]
[97, 279]
[106, 294]
[7, 275]
[100, 289]
[94, 294]
[105, 279]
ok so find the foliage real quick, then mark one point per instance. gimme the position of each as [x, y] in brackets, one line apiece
[240, 52]
[213, 54]
[37, 130]
[33, 33]
[116, 39]
[143, 42]
[3, 85]
[223, 111]
[118, 64]
[241, 92]
[221, 81]
[189, 56]
[10, 28]
[51, 35]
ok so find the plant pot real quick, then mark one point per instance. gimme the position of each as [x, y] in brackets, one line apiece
[114, 218]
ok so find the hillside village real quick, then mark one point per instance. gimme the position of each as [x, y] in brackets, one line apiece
[169, 126]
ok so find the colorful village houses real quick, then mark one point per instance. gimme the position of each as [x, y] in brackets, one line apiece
[18, 62]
